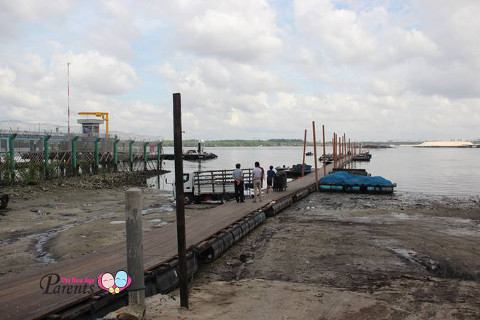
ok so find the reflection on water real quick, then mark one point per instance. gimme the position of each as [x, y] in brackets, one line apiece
[441, 171]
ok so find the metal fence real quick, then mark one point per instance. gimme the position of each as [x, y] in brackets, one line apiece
[30, 158]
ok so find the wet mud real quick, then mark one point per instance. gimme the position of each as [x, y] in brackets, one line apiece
[342, 256]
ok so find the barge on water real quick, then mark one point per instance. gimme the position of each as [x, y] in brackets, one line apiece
[366, 156]
[342, 181]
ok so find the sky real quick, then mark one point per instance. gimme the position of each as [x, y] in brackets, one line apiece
[376, 70]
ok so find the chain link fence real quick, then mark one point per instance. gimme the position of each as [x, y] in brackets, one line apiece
[29, 157]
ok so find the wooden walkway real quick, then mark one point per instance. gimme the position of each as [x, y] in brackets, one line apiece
[21, 296]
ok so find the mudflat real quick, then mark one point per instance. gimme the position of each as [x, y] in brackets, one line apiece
[340, 256]
[60, 220]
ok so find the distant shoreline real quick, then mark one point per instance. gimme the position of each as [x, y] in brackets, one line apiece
[273, 143]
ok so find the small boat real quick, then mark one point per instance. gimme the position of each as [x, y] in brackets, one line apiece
[366, 156]
[194, 155]
[309, 153]
[296, 170]
[328, 157]
[282, 168]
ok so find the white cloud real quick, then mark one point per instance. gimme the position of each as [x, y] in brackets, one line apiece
[247, 68]
[14, 97]
[241, 31]
[97, 73]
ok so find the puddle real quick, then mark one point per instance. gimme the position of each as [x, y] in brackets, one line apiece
[404, 216]
[161, 224]
[168, 207]
[463, 232]
[117, 222]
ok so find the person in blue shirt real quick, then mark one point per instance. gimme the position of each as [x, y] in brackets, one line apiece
[270, 175]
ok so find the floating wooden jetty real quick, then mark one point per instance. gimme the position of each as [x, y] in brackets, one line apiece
[208, 235]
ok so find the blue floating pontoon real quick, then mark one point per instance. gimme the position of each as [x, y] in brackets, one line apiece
[347, 182]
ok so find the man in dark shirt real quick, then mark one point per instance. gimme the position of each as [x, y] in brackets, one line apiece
[238, 181]
[270, 175]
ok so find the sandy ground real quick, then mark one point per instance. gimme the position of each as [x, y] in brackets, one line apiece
[61, 220]
[338, 256]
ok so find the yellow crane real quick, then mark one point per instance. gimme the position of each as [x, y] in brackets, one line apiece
[104, 116]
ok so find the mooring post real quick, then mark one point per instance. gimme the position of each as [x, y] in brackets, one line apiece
[179, 198]
[158, 155]
[11, 149]
[115, 155]
[145, 145]
[46, 156]
[315, 155]
[324, 155]
[96, 156]
[334, 147]
[130, 154]
[349, 148]
[304, 149]
[339, 144]
[74, 156]
[133, 215]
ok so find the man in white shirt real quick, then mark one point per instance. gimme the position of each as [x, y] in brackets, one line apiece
[257, 182]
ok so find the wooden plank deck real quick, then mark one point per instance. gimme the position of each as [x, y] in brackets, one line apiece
[22, 298]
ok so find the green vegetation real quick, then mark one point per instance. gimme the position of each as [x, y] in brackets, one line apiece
[239, 143]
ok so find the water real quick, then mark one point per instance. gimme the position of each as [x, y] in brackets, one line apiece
[439, 171]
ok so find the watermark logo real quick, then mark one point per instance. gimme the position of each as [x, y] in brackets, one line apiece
[112, 284]
[53, 283]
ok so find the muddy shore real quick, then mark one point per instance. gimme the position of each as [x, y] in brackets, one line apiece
[329, 256]
[60, 220]
[338, 256]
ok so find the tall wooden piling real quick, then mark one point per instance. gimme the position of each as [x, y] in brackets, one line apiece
[133, 222]
[304, 151]
[333, 150]
[339, 146]
[315, 155]
[324, 155]
[179, 197]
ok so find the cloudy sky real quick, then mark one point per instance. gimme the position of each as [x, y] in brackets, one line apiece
[375, 69]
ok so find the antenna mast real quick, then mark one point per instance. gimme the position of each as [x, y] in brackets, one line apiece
[68, 95]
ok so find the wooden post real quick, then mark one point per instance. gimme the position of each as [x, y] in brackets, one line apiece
[349, 148]
[333, 150]
[179, 197]
[344, 146]
[133, 215]
[324, 155]
[304, 149]
[339, 148]
[315, 155]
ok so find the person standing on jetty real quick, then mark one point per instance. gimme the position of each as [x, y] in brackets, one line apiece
[238, 177]
[270, 175]
[257, 182]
